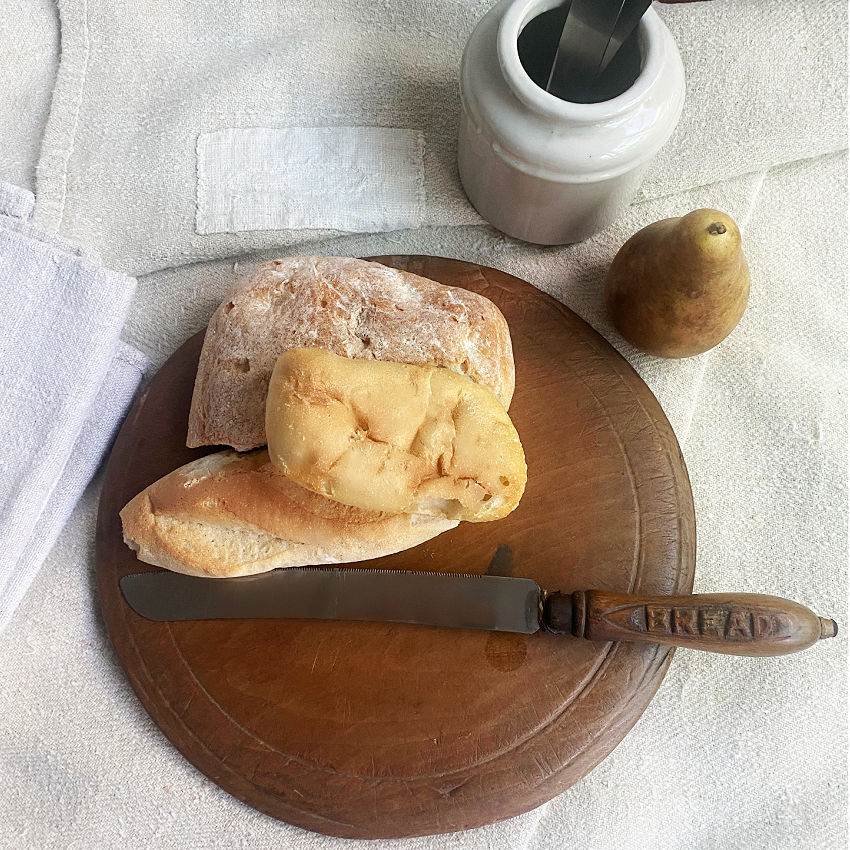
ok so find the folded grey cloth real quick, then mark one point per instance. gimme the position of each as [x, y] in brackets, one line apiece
[66, 381]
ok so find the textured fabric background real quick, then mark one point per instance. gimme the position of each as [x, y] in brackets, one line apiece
[139, 82]
[67, 382]
[357, 179]
[738, 753]
[29, 53]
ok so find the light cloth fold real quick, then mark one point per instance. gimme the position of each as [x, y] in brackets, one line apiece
[119, 168]
[66, 383]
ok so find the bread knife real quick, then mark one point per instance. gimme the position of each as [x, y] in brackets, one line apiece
[731, 623]
[584, 39]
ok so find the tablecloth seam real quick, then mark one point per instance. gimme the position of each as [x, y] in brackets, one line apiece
[57, 144]
[643, 198]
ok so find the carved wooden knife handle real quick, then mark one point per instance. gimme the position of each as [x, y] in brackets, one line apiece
[733, 623]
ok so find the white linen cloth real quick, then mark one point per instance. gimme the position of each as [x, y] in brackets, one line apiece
[358, 179]
[139, 83]
[65, 383]
[738, 753]
[29, 53]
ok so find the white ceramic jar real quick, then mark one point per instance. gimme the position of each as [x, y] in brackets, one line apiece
[547, 170]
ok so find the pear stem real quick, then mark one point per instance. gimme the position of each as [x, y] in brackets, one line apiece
[716, 227]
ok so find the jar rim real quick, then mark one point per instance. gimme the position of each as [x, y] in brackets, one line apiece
[520, 13]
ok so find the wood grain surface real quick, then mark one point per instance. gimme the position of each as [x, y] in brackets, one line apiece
[370, 730]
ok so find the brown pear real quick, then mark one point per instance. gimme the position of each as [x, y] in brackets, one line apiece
[679, 286]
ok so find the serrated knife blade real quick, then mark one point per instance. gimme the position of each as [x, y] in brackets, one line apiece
[448, 600]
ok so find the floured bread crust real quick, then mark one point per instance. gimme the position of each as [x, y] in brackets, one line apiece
[353, 308]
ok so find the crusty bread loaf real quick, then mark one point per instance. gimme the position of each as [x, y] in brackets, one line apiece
[352, 307]
[393, 437]
[230, 515]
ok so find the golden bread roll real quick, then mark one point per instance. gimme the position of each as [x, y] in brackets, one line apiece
[233, 515]
[351, 307]
[393, 437]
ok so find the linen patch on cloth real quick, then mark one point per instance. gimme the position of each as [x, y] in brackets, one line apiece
[354, 179]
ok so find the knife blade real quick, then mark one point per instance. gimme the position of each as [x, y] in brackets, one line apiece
[630, 16]
[493, 603]
[731, 623]
[584, 39]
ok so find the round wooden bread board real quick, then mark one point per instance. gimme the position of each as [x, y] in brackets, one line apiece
[374, 730]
